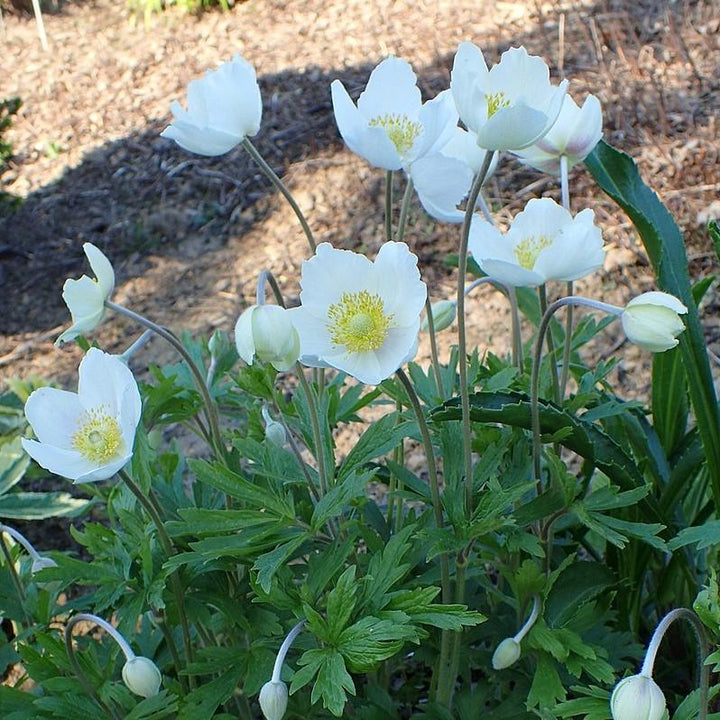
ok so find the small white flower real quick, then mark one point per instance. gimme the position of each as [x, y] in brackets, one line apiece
[507, 653]
[390, 126]
[637, 698]
[267, 331]
[86, 297]
[442, 180]
[510, 106]
[543, 243]
[142, 676]
[575, 133]
[652, 321]
[223, 108]
[88, 435]
[358, 316]
[274, 700]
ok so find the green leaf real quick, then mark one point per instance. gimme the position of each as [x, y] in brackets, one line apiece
[333, 680]
[338, 498]
[546, 686]
[617, 175]
[594, 705]
[372, 640]
[586, 439]
[381, 437]
[341, 603]
[577, 584]
[669, 398]
[157, 707]
[13, 464]
[702, 536]
[201, 704]
[40, 505]
[269, 563]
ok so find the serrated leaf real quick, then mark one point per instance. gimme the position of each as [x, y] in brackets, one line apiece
[341, 603]
[577, 584]
[337, 499]
[372, 640]
[332, 683]
[702, 536]
[546, 688]
[268, 564]
[40, 505]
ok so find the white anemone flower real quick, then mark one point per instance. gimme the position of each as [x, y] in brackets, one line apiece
[88, 435]
[652, 321]
[510, 106]
[359, 316]
[442, 180]
[545, 242]
[86, 297]
[223, 108]
[390, 126]
[575, 133]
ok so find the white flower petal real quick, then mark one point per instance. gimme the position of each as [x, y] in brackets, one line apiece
[519, 74]
[244, 341]
[512, 128]
[103, 472]
[391, 90]
[102, 268]
[509, 273]
[469, 72]
[541, 217]
[661, 299]
[66, 463]
[463, 146]
[201, 140]
[439, 118]
[103, 381]
[441, 183]
[403, 297]
[53, 415]
[486, 242]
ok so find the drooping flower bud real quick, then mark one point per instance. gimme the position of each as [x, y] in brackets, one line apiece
[637, 698]
[274, 700]
[507, 653]
[652, 321]
[266, 331]
[443, 313]
[141, 676]
[274, 430]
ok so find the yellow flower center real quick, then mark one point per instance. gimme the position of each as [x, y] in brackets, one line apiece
[99, 438]
[496, 101]
[401, 130]
[359, 321]
[527, 251]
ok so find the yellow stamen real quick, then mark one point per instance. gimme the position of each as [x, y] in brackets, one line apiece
[359, 321]
[527, 251]
[98, 438]
[496, 101]
[401, 130]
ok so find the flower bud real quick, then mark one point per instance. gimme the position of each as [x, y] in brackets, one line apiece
[40, 563]
[507, 653]
[274, 430]
[652, 321]
[141, 676]
[637, 698]
[267, 331]
[274, 700]
[443, 313]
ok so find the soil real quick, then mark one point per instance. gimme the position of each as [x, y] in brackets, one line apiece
[188, 235]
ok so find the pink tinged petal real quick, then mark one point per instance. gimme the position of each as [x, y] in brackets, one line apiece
[102, 268]
[392, 89]
[540, 160]
[509, 273]
[66, 463]
[439, 118]
[441, 183]
[399, 283]
[244, 341]
[468, 72]
[513, 128]
[587, 131]
[54, 415]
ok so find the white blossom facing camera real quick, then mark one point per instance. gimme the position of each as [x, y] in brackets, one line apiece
[274, 699]
[223, 108]
[358, 316]
[142, 676]
[390, 126]
[85, 297]
[267, 332]
[510, 106]
[545, 242]
[575, 133]
[637, 698]
[86, 436]
[652, 321]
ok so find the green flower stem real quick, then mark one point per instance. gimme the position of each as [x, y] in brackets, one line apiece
[298, 456]
[151, 506]
[444, 660]
[278, 183]
[517, 343]
[445, 694]
[433, 348]
[395, 507]
[565, 372]
[210, 408]
[462, 342]
[535, 378]
[77, 668]
[15, 579]
[404, 210]
[266, 277]
[315, 422]
[169, 641]
[388, 205]
[542, 296]
[704, 651]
